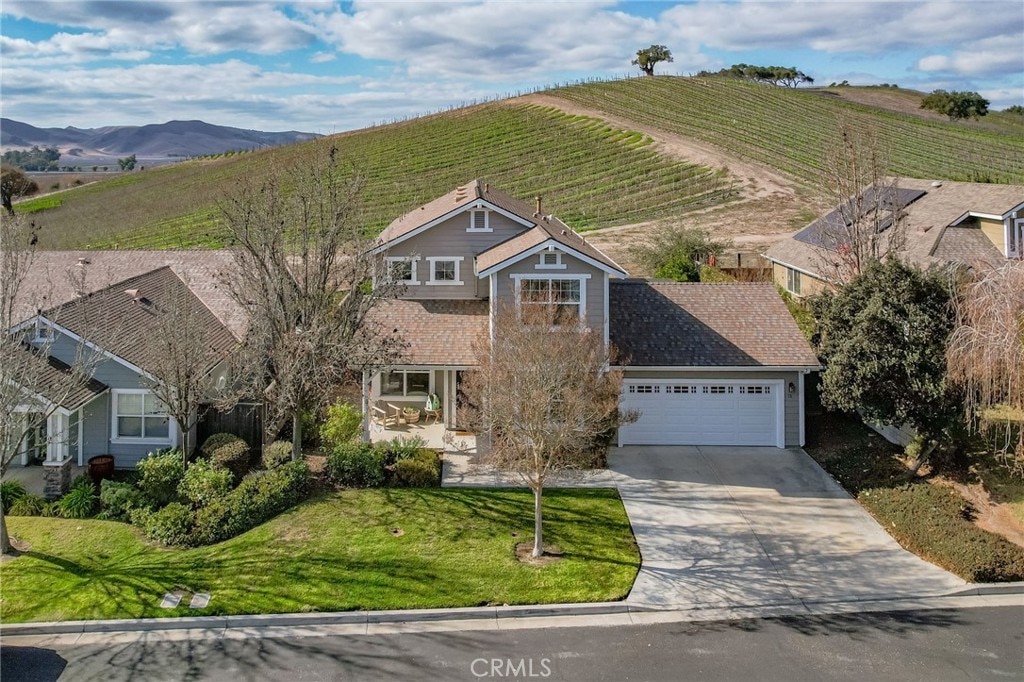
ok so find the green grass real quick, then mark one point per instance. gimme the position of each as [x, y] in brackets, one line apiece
[931, 520]
[790, 130]
[331, 554]
[39, 204]
[591, 175]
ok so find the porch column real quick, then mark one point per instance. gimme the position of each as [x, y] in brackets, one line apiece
[25, 421]
[366, 406]
[57, 428]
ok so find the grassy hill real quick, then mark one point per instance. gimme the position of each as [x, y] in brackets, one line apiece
[790, 129]
[592, 174]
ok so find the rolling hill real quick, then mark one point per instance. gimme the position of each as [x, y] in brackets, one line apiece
[603, 155]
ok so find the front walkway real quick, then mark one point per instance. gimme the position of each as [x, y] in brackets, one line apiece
[31, 476]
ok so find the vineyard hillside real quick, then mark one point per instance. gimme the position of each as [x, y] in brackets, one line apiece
[737, 158]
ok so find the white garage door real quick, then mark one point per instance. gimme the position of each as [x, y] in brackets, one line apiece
[687, 412]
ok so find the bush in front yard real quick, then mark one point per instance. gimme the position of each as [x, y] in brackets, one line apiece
[400, 448]
[343, 425]
[356, 465]
[215, 441]
[204, 482]
[117, 500]
[934, 522]
[159, 475]
[422, 470]
[171, 525]
[259, 497]
[11, 492]
[80, 501]
[276, 454]
[233, 456]
[28, 505]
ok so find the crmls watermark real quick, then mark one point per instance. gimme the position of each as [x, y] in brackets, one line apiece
[507, 668]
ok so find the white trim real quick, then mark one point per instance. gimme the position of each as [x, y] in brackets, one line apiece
[81, 431]
[412, 260]
[493, 307]
[405, 369]
[472, 220]
[798, 269]
[547, 244]
[89, 344]
[724, 368]
[479, 203]
[800, 397]
[434, 260]
[116, 437]
[517, 279]
[557, 265]
[793, 275]
[1014, 227]
[607, 317]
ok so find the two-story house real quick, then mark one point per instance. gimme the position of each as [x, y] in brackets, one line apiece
[944, 223]
[714, 364]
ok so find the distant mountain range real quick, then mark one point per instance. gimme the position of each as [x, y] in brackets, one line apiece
[171, 140]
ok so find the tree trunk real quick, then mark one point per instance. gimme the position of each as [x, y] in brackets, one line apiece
[296, 436]
[922, 457]
[5, 540]
[538, 523]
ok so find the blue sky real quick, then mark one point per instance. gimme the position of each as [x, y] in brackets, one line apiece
[325, 66]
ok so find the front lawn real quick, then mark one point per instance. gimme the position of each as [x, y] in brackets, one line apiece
[357, 549]
[930, 520]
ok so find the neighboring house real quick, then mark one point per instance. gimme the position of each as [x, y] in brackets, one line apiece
[712, 364]
[116, 411]
[946, 223]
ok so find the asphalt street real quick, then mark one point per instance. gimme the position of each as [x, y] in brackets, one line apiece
[934, 645]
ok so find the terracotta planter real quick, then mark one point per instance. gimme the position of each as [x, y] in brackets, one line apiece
[101, 467]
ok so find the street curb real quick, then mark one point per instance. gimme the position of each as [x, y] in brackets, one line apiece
[981, 589]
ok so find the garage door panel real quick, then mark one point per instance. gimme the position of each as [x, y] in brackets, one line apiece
[701, 413]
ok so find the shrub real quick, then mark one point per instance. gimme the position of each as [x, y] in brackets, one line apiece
[423, 470]
[159, 475]
[171, 525]
[234, 457]
[259, 497]
[11, 492]
[83, 482]
[204, 482]
[711, 274]
[276, 454]
[344, 423]
[356, 465]
[679, 268]
[79, 503]
[28, 505]
[400, 448]
[117, 500]
[215, 441]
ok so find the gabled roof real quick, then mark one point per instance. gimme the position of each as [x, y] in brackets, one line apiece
[673, 324]
[55, 383]
[942, 205]
[437, 332]
[124, 318]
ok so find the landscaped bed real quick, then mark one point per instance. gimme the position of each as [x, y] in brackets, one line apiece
[930, 519]
[354, 549]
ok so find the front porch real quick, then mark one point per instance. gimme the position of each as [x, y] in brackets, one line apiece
[33, 476]
[436, 435]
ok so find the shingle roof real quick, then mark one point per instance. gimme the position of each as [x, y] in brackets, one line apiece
[672, 324]
[968, 245]
[54, 382]
[925, 219]
[544, 226]
[438, 332]
[124, 318]
[59, 276]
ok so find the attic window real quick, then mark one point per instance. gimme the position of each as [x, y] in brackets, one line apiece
[479, 221]
[551, 260]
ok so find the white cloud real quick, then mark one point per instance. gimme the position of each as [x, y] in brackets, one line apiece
[322, 57]
[1001, 55]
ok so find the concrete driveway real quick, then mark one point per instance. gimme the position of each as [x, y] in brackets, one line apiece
[743, 526]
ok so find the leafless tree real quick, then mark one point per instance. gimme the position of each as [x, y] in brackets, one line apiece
[304, 271]
[985, 353]
[543, 392]
[868, 223]
[31, 386]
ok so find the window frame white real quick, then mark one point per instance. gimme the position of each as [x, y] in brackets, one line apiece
[432, 262]
[1015, 238]
[557, 265]
[115, 434]
[794, 276]
[472, 221]
[405, 372]
[518, 280]
[390, 262]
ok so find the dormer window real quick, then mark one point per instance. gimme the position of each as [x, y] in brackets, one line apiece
[479, 221]
[550, 260]
[41, 332]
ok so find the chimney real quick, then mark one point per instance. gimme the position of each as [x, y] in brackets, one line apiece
[538, 211]
[134, 295]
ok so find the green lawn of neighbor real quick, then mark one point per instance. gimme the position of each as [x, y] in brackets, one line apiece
[340, 551]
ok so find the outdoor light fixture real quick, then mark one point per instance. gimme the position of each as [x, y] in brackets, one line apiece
[792, 388]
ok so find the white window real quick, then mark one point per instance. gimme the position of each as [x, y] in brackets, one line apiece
[550, 260]
[405, 382]
[42, 332]
[793, 281]
[717, 389]
[444, 271]
[402, 269]
[138, 414]
[644, 388]
[562, 297]
[1015, 239]
[479, 221]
